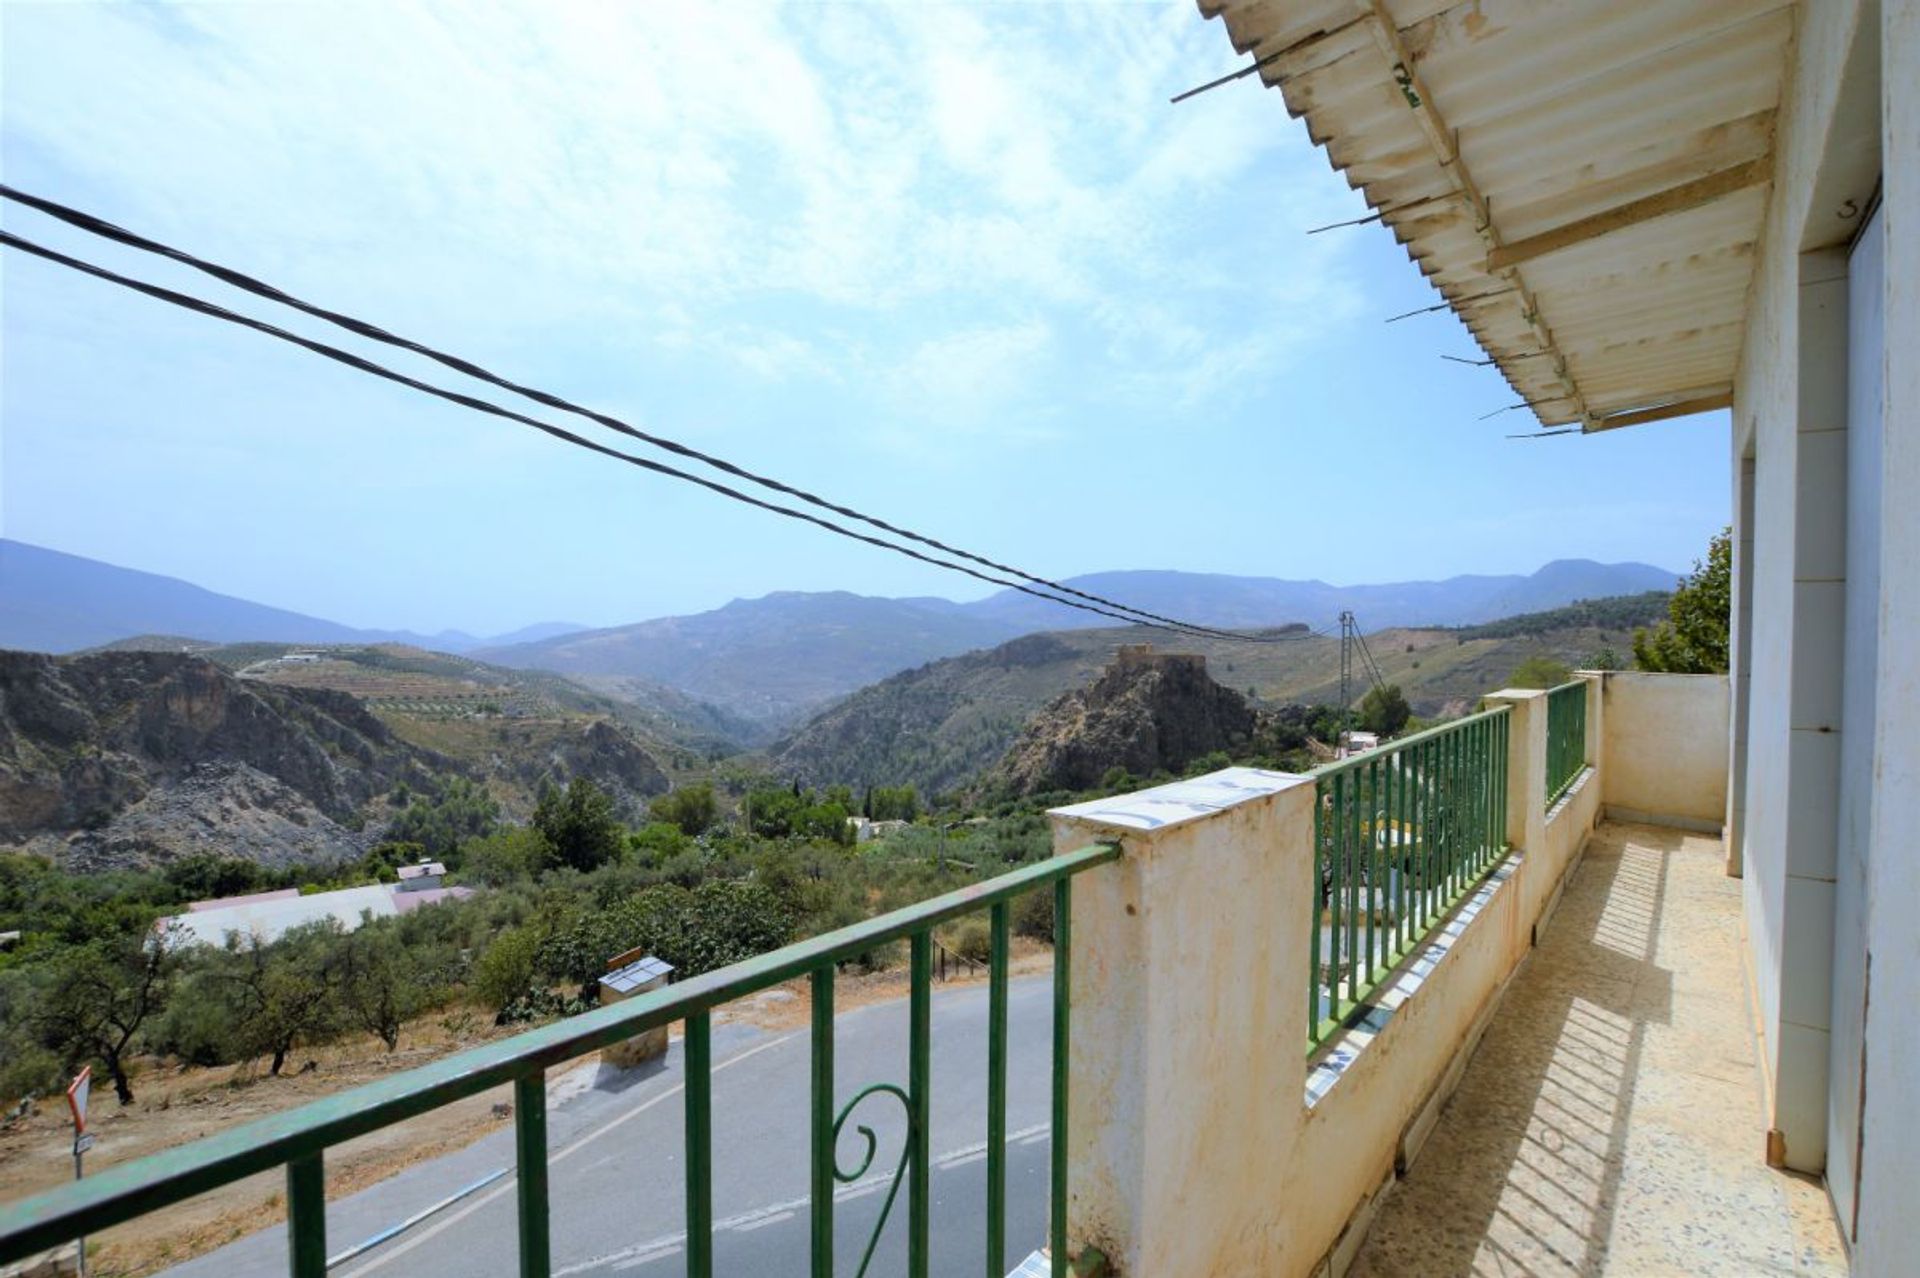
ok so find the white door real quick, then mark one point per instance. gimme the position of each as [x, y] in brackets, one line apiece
[1865, 428]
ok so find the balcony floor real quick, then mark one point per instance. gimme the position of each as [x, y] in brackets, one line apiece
[1611, 1120]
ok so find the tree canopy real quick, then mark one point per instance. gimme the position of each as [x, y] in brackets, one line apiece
[1384, 710]
[1539, 672]
[1693, 639]
[579, 824]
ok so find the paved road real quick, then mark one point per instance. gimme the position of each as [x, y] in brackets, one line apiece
[616, 1180]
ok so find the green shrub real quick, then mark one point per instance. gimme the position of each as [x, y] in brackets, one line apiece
[1033, 915]
[973, 940]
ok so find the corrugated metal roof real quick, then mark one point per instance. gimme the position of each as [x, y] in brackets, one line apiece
[1584, 182]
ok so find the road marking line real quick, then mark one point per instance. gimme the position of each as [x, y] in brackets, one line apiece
[595, 1134]
[661, 1254]
[627, 1257]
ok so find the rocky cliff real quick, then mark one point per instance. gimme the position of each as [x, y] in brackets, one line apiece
[123, 758]
[1146, 712]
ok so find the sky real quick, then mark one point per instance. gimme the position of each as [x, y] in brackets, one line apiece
[962, 266]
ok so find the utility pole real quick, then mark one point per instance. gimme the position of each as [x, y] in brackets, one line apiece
[1347, 631]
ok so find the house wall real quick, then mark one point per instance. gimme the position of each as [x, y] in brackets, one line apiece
[1850, 123]
[1790, 412]
[1887, 1234]
[1666, 747]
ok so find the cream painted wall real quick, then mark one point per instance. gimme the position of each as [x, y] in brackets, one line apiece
[1193, 1150]
[1666, 745]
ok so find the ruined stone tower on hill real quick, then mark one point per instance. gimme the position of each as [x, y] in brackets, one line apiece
[1146, 712]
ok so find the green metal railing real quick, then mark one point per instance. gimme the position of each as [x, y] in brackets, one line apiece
[1402, 833]
[298, 1139]
[1566, 737]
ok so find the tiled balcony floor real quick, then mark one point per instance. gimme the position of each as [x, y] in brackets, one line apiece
[1611, 1121]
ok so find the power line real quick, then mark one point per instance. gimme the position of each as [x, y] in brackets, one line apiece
[107, 230]
[200, 306]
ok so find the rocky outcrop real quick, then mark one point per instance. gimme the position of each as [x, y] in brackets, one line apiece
[135, 757]
[1147, 712]
[606, 755]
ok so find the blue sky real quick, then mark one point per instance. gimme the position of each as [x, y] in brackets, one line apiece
[960, 265]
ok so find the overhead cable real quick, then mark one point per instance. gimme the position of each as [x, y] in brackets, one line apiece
[200, 306]
[107, 230]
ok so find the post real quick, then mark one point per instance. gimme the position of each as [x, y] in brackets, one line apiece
[79, 1170]
[1526, 765]
[1189, 978]
[79, 1091]
[1527, 790]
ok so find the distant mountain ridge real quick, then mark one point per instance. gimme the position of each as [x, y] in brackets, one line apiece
[51, 601]
[772, 658]
[1213, 599]
[775, 659]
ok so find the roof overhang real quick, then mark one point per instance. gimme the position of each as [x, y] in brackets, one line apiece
[1584, 181]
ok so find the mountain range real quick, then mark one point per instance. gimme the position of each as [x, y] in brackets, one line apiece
[51, 601]
[774, 659]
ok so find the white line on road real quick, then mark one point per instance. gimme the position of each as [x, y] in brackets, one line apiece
[407, 1246]
[662, 1254]
[653, 1249]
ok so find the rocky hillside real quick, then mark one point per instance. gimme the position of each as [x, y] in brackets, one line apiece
[939, 725]
[135, 758]
[1147, 712]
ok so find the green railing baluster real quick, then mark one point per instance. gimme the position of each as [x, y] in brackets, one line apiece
[997, 931]
[1480, 781]
[1455, 860]
[1408, 851]
[919, 1090]
[1425, 849]
[1320, 876]
[307, 1217]
[1484, 772]
[1350, 839]
[1566, 737]
[1506, 744]
[1400, 834]
[1336, 948]
[699, 1142]
[530, 1172]
[1370, 850]
[1062, 1029]
[822, 1121]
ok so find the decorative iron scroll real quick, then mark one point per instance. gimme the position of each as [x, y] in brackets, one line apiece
[873, 1146]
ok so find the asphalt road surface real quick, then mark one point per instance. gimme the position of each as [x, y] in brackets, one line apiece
[615, 1171]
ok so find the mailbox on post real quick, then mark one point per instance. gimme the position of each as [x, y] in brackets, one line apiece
[627, 975]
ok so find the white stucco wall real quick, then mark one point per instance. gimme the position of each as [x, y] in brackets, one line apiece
[1848, 123]
[1888, 1238]
[1666, 745]
[1851, 119]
